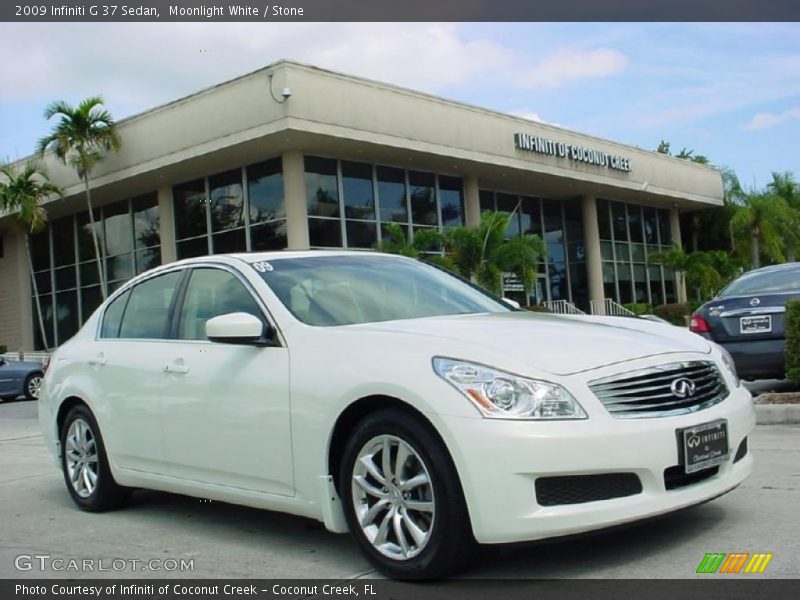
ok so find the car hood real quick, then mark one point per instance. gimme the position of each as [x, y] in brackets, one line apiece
[558, 344]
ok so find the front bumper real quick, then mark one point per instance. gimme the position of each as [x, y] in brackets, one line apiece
[499, 462]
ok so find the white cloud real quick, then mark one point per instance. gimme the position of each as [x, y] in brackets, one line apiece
[531, 115]
[138, 65]
[766, 120]
[570, 66]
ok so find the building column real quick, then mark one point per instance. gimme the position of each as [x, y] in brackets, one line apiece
[472, 201]
[166, 224]
[675, 230]
[294, 200]
[594, 262]
[28, 320]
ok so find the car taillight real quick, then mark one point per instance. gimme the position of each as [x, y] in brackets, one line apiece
[45, 364]
[699, 325]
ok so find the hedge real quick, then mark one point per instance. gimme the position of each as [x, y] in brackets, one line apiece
[3, 349]
[793, 339]
[674, 313]
[639, 308]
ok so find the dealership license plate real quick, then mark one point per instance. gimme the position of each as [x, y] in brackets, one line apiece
[704, 445]
[759, 324]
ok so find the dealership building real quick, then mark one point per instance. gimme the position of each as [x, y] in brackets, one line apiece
[293, 156]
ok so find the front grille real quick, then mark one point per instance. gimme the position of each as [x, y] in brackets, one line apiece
[577, 489]
[650, 392]
[676, 477]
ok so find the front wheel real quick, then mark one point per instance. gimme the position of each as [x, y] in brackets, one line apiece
[85, 464]
[403, 499]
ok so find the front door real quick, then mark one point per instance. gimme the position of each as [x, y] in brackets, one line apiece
[225, 407]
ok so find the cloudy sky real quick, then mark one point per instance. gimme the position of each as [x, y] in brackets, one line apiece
[729, 91]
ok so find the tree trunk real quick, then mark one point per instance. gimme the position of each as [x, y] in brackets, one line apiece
[97, 254]
[42, 330]
[756, 256]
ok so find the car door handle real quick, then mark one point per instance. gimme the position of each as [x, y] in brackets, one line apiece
[176, 367]
[98, 361]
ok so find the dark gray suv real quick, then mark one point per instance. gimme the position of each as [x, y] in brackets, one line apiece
[748, 319]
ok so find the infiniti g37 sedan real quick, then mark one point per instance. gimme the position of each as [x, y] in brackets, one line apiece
[388, 398]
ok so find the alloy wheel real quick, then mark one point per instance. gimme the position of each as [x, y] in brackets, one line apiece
[393, 497]
[34, 385]
[81, 458]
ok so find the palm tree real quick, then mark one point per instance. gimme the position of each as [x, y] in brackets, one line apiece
[22, 193]
[483, 253]
[80, 138]
[765, 224]
[785, 186]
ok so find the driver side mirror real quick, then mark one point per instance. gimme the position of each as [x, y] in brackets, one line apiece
[512, 303]
[239, 328]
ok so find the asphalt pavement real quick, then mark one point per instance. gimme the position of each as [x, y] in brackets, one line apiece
[220, 540]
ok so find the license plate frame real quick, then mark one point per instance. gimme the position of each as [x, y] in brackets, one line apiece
[755, 324]
[704, 446]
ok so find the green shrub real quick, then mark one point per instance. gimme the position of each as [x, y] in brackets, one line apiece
[694, 305]
[639, 308]
[3, 349]
[537, 308]
[674, 313]
[793, 339]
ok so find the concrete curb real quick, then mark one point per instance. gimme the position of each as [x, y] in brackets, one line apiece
[777, 414]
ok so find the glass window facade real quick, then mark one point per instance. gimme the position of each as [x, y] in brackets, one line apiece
[66, 269]
[349, 203]
[629, 233]
[239, 210]
[562, 275]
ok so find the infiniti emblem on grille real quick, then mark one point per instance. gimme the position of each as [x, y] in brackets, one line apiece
[683, 387]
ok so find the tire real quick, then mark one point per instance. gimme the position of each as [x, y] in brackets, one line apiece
[435, 537]
[33, 383]
[84, 464]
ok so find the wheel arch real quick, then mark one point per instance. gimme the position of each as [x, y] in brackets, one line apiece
[63, 410]
[354, 413]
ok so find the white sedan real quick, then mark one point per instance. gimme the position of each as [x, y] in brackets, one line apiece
[388, 398]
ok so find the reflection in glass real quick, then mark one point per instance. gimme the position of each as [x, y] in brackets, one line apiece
[146, 221]
[603, 222]
[192, 248]
[664, 228]
[189, 201]
[451, 199]
[422, 192]
[509, 203]
[227, 200]
[619, 221]
[268, 236]
[66, 315]
[530, 216]
[63, 241]
[325, 233]
[46, 304]
[392, 194]
[65, 278]
[40, 250]
[85, 239]
[91, 298]
[229, 241]
[635, 223]
[361, 234]
[265, 191]
[486, 199]
[359, 199]
[147, 259]
[650, 225]
[322, 192]
[117, 226]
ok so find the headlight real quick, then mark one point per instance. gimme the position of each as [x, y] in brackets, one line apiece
[728, 360]
[501, 395]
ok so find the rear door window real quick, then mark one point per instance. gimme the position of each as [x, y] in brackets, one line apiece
[146, 315]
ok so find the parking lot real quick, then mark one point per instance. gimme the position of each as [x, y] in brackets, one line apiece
[220, 540]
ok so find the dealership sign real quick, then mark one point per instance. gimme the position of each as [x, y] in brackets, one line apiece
[540, 145]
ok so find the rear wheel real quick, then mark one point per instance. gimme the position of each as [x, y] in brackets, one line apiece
[85, 463]
[403, 499]
[33, 384]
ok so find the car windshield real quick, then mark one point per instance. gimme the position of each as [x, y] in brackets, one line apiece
[764, 282]
[344, 290]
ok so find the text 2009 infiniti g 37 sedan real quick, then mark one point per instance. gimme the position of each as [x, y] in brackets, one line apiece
[383, 396]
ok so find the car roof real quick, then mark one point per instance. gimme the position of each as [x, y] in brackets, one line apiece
[781, 267]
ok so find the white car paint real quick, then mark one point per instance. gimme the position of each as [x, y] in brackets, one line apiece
[253, 425]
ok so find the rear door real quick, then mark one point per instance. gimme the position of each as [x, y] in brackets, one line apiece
[226, 407]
